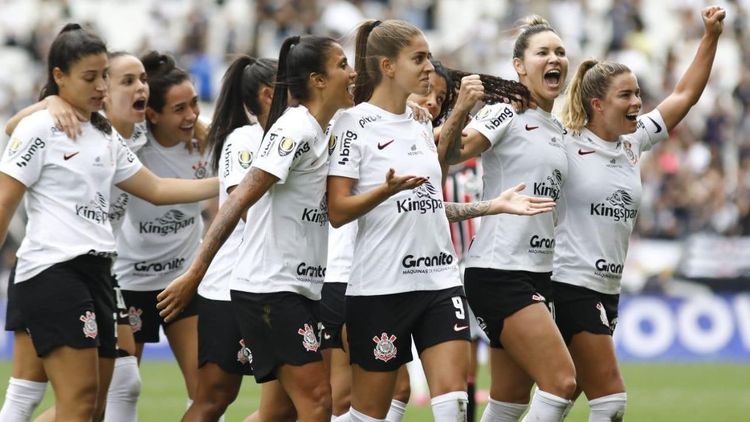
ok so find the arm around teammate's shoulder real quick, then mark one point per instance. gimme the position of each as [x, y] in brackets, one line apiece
[690, 86]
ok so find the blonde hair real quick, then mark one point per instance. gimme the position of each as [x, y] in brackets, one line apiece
[592, 80]
[375, 40]
[530, 25]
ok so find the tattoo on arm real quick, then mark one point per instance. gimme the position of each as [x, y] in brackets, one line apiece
[460, 212]
[452, 134]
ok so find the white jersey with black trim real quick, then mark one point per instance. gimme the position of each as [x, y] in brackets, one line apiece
[528, 148]
[119, 198]
[158, 243]
[286, 234]
[403, 244]
[68, 190]
[599, 205]
[340, 252]
[240, 148]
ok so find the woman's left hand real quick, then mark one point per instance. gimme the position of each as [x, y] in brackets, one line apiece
[713, 20]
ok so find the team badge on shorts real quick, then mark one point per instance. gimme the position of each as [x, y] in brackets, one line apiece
[134, 318]
[309, 339]
[90, 328]
[244, 355]
[602, 314]
[538, 297]
[384, 350]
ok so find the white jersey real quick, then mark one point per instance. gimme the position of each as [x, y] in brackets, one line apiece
[286, 231]
[240, 148]
[599, 205]
[119, 198]
[340, 252]
[404, 243]
[158, 243]
[527, 148]
[68, 186]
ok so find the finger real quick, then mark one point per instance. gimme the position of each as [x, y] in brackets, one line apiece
[390, 174]
[519, 187]
[162, 295]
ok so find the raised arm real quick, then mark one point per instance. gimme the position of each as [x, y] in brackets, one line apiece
[177, 295]
[509, 202]
[449, 142]
[690, 87]
[163, 191]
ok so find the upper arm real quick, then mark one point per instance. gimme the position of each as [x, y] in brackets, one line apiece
[674, 108]
[473, 144]
[143, 184]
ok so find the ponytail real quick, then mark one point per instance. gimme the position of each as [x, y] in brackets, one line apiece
[592, 80]
[365, 83]
[281, 88]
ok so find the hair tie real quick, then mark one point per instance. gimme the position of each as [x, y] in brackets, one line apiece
[375, 25]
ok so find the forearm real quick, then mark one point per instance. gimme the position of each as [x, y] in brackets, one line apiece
[13, 122]
[694, 80]
[449, 144]
[346, 209]
[184, 191]
[464, 211]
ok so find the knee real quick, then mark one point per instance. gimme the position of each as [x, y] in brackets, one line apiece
[402, 392]
[608, 408]
[320, 398]
[126, 381]
[562, 385]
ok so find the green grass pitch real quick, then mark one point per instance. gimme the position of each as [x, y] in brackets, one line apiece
[656, 392]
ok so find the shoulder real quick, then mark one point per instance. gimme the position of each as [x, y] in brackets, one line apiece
[497, 111]
[40, 123]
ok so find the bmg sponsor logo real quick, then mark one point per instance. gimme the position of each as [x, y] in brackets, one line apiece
[346, 145]
[495, 122]
[617, 207]
[36, 145]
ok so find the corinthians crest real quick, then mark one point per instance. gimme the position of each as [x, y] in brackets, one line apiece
[309, 339]
[384, 350]
[90, 329]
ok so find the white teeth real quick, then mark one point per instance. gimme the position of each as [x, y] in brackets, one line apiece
[350, 89]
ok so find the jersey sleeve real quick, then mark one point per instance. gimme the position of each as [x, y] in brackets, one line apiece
[276, 155]
[127, 162]
[651, 130]
[346, 144]
[25, 154]
[493, 121]
[240, 149]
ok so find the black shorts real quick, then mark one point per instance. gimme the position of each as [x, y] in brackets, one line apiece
[577, 309]
[144, 317]
[123, 316]
[497, 294]
[380, 328]
[13, 317]
[279, 328]
[332, 314]
[70, 304]
[219, 338]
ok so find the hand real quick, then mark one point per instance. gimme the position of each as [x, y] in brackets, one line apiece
[66, 118]
[395, 184]
[420, 113]
[713, 20]
[512, 202]
[175, 298]
[471, 91]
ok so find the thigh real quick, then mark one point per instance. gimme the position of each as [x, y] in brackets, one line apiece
[26, 364]
[275, 404]
[444, 317]
[183, 340]
[598, 373]
[341, 379]
[442, 378]
[508, 382]
[72, 372]
[372, 391]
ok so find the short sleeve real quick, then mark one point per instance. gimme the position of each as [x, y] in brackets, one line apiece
[493, 121]
[24, 156]
[127, 162]
[346, 145]
[651, 130]
[240, 150]
[277, 151]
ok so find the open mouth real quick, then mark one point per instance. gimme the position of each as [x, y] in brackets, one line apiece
[552, 77]
[350, 89]
[632, 116]
[140, 105]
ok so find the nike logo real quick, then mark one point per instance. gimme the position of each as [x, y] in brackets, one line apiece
[457, 327]
[67, 157]
[326, 336]
[381, 146]
[658, 128]
[530, 128]
[124, 315]
[582, 152]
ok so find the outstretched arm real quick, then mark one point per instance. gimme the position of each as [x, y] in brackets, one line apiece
[690, 87]
[509, 202]
[180, 291]
[163, 191]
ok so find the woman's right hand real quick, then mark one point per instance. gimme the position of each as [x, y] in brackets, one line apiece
[66, 118]
[395, 184]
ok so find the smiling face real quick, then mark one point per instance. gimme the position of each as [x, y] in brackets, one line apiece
[412, 67]
[618, 110]
[85, 84]
[543, 68]
[436, 95]
[339, 78]
[176, 121]
[128, 90]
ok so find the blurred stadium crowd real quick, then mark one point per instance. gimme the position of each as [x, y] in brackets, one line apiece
[697, 181]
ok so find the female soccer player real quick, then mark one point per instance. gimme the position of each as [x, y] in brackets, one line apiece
[600, 203]
[277, 282]
[404, 280]
[509, 264]
[62, 277]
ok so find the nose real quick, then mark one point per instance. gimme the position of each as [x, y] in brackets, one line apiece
[429, 67]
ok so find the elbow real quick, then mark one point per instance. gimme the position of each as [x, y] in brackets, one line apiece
[336, 219]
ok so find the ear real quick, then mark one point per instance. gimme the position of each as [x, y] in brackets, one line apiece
[58, 76]
[152, 116]
[318, 80]
[266, 95]
[596, 105]
[387, 67]
[519, 66]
